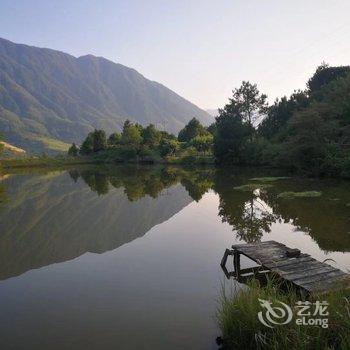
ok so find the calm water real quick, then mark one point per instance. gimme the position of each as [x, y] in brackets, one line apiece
[126, 258]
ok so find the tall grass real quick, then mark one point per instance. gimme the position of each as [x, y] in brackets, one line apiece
[241, 328]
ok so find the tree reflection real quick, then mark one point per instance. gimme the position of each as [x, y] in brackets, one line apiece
[98, 182]
[140, 182]
[249, 216]
[250, 213]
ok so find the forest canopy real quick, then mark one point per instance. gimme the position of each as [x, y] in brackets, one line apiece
[308, 132]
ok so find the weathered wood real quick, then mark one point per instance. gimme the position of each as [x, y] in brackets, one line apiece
[236, 261]
[317, 276]
[289, 264]
[224, 258]
[299, 266]
[296, 275]
[335, 283]
[289, 261]
[293, 253]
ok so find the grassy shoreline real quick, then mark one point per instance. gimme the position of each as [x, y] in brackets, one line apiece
[241, 328]
[59, 161]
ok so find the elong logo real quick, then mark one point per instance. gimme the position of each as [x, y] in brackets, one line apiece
[274, 315]
[281, 314]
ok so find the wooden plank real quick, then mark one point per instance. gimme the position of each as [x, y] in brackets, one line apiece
[237, 246]
[335, 282]
[259, 258]
[269, 252]
[264, 252]
[296, 275]
[290, 261]
[296, 268]
[307, 278]
[261, 245]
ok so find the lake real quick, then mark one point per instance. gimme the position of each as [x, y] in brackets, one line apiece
[129, 257]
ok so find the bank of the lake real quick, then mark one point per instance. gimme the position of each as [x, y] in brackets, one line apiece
[242, 329]
[104, 157]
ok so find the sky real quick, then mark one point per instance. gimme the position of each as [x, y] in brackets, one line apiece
[201, 49]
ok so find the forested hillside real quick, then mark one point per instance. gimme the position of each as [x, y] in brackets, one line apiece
[47, 97]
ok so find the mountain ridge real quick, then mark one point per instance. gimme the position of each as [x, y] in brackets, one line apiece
[46, 93]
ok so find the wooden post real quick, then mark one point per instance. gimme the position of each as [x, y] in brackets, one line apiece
[237, 262]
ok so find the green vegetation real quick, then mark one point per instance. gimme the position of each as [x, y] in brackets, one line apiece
[73, 150]
[192, 130]
[307, 132]
[234, 139]
[305, 194]
[54, 144]
[148, 144]
[241, 328]
[269, 178]
[2, 146]
[252, 187]
[44, 161]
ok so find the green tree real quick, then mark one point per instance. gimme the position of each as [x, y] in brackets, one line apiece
[212, 128]
[131, 134]
[249, 103]
[324, 75]
[202, 143]
[280, 113]
[169, 147]
[235, 123]
[231, 136]
[99, 140]
[87, 147]
[73, 150]
[151, 136]
[191, 130]
[114, 139]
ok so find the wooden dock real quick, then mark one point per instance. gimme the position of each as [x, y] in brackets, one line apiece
[301, 270]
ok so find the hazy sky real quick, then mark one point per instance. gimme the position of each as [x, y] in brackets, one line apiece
[201, 49]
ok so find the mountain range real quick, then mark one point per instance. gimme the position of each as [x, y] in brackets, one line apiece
[49, 98]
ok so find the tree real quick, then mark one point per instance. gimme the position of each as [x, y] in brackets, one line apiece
[249, 103]
[235, 123]
[99, 140]
[324, 75]
[73, 150]
[151, 136]
[114, 139]
[169, 147]
[131, 134]
[212, 128]
[280, 113]
[230, 137]
[202, 143]
[87, 147]
[191, 130]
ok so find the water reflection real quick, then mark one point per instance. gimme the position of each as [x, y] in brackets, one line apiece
[57, 216]
[158, 291]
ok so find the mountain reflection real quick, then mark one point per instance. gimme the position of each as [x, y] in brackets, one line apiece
[56, 216]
